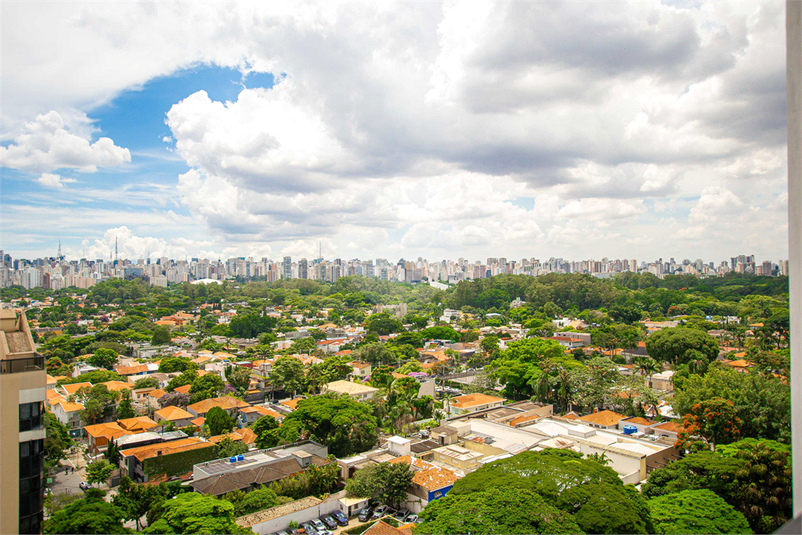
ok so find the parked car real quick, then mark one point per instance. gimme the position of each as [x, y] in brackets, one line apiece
[319, 526]
[365, 514]
[309, 528]
[83, 485]
[340, 518]
[401, 514]
[329, 521]
[390, 512]
[413, 518]
[379, 512]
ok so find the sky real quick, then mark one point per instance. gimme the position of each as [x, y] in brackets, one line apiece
[392, 130]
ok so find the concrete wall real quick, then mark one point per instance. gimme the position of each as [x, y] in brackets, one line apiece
[332, 503]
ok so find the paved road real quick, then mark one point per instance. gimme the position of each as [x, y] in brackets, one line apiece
[67, 482]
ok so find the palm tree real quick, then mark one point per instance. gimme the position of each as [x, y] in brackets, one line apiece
[543, 386]
[565, 390]
[647, 367]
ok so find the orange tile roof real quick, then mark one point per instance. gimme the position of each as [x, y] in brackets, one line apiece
[605, 418]
[570, 416]
[117, 386]
[198, 422]
[639, 421]
[291, 403]
[137, 423]
[171, 413]
[74, 387]
[131, 370]
[264, 411]
[472, 400]
[157, 393]
[671, 427]
[224, 402]
[380, 528]
[183, 389]
[522, 419]
[166, 448]
[106, 429]
[360, 365]
[738, 363]
[67, 406]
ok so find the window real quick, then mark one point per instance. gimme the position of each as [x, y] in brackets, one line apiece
[31, 466]
[30, 416]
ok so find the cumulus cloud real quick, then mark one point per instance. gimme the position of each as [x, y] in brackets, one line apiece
[51, 180]
[420, 124]
[48, 143]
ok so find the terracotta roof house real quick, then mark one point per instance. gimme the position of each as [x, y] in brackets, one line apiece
[603, 419]
[244, 435]
[133, 461]
[473, 402]
[117, 386]
[292, 403]
[176, 415]
[138, 424]
[227, 403]
[252, 414]
[183, 389]
[382, 528]
[98, 435]
[67, 413]
[669, 430]
[356, 391]
[72, 388]
[198, 422]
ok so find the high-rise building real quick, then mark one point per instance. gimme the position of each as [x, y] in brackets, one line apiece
[303, 269]
[286, 268]
[23, 381]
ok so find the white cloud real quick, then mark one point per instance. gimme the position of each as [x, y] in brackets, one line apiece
[48, 144]
[51, 180]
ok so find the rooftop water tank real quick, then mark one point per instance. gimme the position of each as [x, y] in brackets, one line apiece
[232, 460]
[630, 429]
[240, 457]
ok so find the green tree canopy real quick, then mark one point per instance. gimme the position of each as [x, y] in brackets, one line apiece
[499, 511]
[387, 482]
[676, 345]
[264, 429]
[103, 358]
[219, 421]
[195, 513]
[98, 471]
[91, 514]
[287, 374]
[160, 336]
[696, 512]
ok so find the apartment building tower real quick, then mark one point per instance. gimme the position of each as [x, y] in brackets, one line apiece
[23, 381]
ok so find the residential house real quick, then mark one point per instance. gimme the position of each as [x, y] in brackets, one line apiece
[356, 391]
[137, 424]
[175, 415]
[228, 403]
[176, 457]
[669, 430]
[251, 414]
[429, 482]
[603, 419]
[68, 413]
[473, 402]
[362, 370]
[99, 435]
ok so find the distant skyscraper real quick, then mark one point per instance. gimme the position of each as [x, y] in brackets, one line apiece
[23, 381]
[303, 269]
[286, 268]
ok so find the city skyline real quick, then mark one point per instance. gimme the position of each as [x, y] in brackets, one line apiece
[441, 130]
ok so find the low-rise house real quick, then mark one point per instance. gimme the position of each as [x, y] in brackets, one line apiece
[137, 369]
[99, 435]
[444, 435]
[643, 425]
[244, 435]
[356, 391]
[176, 415]
[457, 456]
[137, 424]
[68, 413]
[171, 458]
[429, 482]
[362, 370]
[669, 430]
[229, 404]
[603, 419]
[473, 402]
[251, 414]
[72, 388]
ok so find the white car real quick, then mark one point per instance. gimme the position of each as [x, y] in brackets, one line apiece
[320, 527]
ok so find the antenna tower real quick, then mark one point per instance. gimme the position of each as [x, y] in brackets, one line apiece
[59, 250]
[115, 248]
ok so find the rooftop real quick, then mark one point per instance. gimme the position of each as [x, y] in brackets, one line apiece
[349, 388]
[224, 402]
[172, 413]
[166, 448]
[605, 418]
[473, 400]
[278, 511]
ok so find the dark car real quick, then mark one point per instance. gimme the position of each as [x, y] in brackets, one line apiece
[365, 514]
[329, 521]
[401, 514]
[340, 518]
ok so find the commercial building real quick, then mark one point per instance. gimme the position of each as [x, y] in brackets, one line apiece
[23, 382]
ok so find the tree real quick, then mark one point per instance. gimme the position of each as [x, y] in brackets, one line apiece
[99, 402]
[263, 428]
[287, 374]
[230, 448]
[174, 398]
[176, 364]
[194, 513]
[344, 425]
[440, 332]
[375, 354]
[647, 367]
[57, 440]
[387, 482]
[381, 376]
[673, 345]
[384, 324]
[762, 402]
[98, 471]
[205, 387]
[498, 511]
[584, 491]
[219, 421]
[146, 382]
[714, 420]
[239, 377]
[90, 514]
[104, 358]
[251, 502]
[696, 511]
[125, 409]
[161, 335]
[135, 500]
[490, 344]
